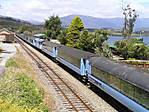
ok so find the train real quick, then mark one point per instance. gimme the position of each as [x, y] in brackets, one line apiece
[125, 83]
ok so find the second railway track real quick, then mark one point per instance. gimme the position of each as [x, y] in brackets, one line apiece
[71, 100]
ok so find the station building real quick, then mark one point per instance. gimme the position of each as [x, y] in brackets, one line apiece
[6, 36]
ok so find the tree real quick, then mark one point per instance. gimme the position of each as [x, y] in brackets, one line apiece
[130, 16]
[23, 28]
[53, 27]
[132, 48]
[101, 36]
[104, 51]
[73, 32]
[26, 29]
[62, 37]
[101, 46]
[86, 41]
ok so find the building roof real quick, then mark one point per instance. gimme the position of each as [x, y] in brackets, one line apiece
[39, 40]
[5, 31]
[39, 35]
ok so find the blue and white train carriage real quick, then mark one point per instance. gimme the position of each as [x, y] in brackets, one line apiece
[126, 84]
[70, 57]
[38, 42]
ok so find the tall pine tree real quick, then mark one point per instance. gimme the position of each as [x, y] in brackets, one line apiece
[73, 32]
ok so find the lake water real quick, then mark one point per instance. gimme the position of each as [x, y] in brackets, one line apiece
[113, 39]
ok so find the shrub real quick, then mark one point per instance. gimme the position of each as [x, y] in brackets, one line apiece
[11, 63]
[132, 48]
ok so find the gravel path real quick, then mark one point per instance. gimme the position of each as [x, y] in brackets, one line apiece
[9, 51]
[96, 102]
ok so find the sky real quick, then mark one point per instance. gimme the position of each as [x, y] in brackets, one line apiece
[39, 10]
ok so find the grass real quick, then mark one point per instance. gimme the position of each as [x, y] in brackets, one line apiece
[11, 63]
[6, 106]
[18, 92]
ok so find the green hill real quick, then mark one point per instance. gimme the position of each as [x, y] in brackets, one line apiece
[13, 24]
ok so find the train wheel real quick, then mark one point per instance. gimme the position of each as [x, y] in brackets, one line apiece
[84, 79]
[88, 85]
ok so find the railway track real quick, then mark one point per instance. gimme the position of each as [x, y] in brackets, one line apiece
[71, 100]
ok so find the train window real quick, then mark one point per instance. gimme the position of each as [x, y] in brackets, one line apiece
[31, 40]
[133, 92]
[48, 48]
[104, 76]
[142, 97]
[128, 88]
[98, 74]
[145, 99]
[137, 95]
[123, 87]
[115, 82]
[69, 58]
[108, 78]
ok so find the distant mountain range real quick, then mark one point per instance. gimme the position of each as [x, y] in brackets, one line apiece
[89, 22]
[112, 23]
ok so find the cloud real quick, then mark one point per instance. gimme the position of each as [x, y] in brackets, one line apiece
[41, 9]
